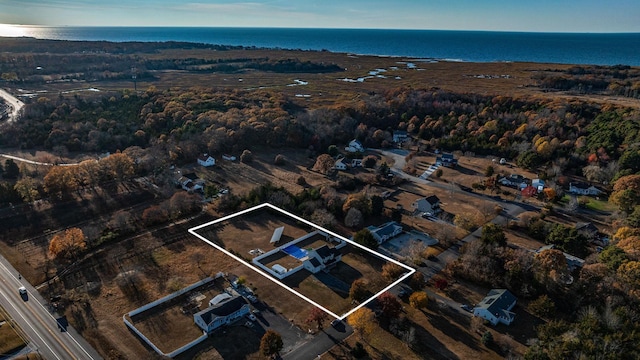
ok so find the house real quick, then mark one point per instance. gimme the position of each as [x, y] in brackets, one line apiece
[354, 146]
[430, 204]
[592, 233]
[321, 258]
[529, 191]
[228, 157]
[515, 181]
[583, 189]
[400, 136]
[385, 231]
[446, 160]
[538, 184]
[356, 163]
[190, 182]
[496, 307]
[340, 165]
[206, 160]
[223, 313]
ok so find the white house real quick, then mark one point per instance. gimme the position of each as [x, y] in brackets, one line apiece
[321, 258]
[515, 181]
[354, 146]
[538, 184]
[447, 160]
[223, 313]
[228, 157]
[340, 165]
[584, 189]
[356, 162]
[206, 160]
[190, 182]
[496, 307]
[430, 204]
[385, 231]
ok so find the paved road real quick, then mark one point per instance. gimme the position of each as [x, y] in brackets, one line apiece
[321, 343]
[38, 323]
[16, 105]
[33, 162]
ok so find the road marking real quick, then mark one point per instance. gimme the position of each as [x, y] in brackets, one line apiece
[29, 324]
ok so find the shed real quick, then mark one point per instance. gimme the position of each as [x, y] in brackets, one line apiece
[277, 234]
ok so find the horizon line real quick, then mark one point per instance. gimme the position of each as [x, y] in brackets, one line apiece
[319, 28]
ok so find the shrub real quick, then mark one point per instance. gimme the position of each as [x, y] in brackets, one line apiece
[246, 157]
[280, 160]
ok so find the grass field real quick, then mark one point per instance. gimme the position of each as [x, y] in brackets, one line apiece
[10, 340]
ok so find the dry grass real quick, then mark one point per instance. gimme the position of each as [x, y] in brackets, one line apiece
[10, 339]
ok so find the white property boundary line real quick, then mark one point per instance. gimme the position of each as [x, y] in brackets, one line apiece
[276, 281]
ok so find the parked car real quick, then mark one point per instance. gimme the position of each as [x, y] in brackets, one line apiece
[252, 317]
[252, 299]
[466, 307]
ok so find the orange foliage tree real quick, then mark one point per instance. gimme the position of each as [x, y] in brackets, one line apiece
[67, 245]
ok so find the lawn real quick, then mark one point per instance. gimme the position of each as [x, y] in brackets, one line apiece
[10, 339]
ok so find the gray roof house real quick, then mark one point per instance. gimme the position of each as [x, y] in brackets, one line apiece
[223, 313]
[385, 231]
[321, 258]
[496, 307]
[430, 204]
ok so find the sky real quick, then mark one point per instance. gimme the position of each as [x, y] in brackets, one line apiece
[492, 15]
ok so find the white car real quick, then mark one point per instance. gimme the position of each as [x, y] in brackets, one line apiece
[22, 290]
[252, 317]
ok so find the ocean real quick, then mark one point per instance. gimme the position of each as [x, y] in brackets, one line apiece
[472, 46]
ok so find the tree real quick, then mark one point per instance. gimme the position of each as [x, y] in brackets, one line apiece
[629, 273]
[27, 188]
[417, 281]
[154, 215]
[369, 161]
[354, 218]
[487, 338]
[391, 271]
[489, 171]
[543, 306]
[551, 265]
[391, 307]
[493, 234]
[11, 169]
[438, 173]
[613, 257]
[324, 164]
[362, 321]
[271, 343]
[358, 290]
[626, 193]
[568, 239]
[183, 203]
[246, 156]
[359, 201]
[631, 246]
[119, 166]
[68, 244]
[332, 150]
[210, 190]
[317, 316]
[377, 205]
[364, 237]
[419, 300]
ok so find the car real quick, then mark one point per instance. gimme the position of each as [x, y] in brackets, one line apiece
[466, 307]
[22, 290]
[256, 311]
[252, 317]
